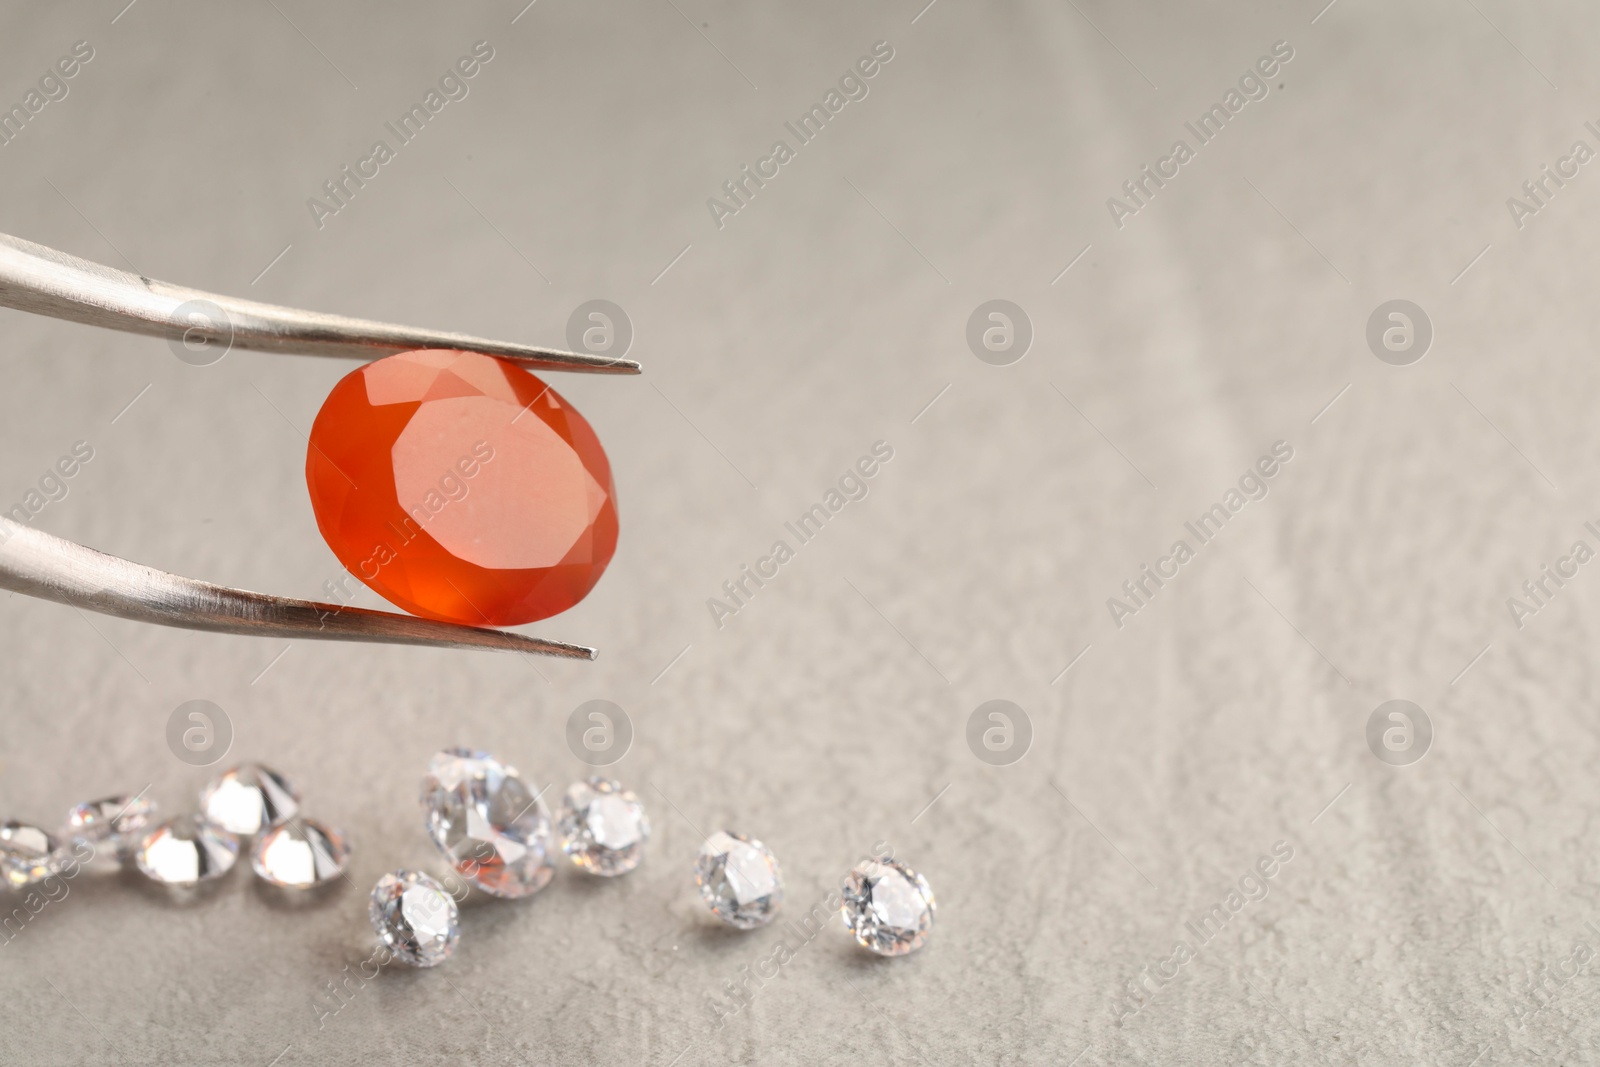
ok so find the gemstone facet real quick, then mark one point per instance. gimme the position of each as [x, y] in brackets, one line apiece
[414, 918]
[186, 850]
[27, 854]
[300, 854]
[491, 825]
[114, 826]
[603, 827]
[248, 799]
[740, 880]
[460, 487]
[887, 906]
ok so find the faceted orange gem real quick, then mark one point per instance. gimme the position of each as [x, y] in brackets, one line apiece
[460, 487]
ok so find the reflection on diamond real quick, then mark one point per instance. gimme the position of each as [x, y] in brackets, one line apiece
[739, 878]
[491, 825]
[114, 826]
[248, 799]
[185, 850]
[414, 918]
[27, 854]
[887, 906]
[300, 854]
[603, 827]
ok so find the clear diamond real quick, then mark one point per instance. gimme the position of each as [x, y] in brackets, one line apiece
[739, 878]
[887, 906]
[27, 854]
[603, 827]
[414, 918]
[185, 850]
[248, 799]
[114, 826]
[300, 854]
[492, 826]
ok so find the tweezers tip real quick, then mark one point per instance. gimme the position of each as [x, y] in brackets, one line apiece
[541, 646]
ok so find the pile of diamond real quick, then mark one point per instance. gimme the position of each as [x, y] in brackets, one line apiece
[495, 831]
[490, 825]
[249, 803]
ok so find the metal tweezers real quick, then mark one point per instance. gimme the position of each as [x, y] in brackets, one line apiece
[47, 282]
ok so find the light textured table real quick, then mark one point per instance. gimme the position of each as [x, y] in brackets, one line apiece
[1427, 909]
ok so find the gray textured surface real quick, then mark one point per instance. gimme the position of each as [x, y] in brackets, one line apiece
[1413, 922]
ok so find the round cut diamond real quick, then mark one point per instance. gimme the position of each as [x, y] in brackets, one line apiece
[300, 854]
[887, 906]
[248, 799]
[27, 854]
[461, 487]
[187, 850]
[739, 878]
[603, 827]
[113, 826]
[492, 826]
[414, 918]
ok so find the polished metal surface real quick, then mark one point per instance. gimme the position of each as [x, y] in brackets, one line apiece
[47, 282]
[42, 565]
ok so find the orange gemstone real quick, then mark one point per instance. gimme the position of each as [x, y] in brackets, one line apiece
[460, 487]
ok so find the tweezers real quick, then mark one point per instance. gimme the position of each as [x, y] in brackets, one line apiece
[47, 282]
